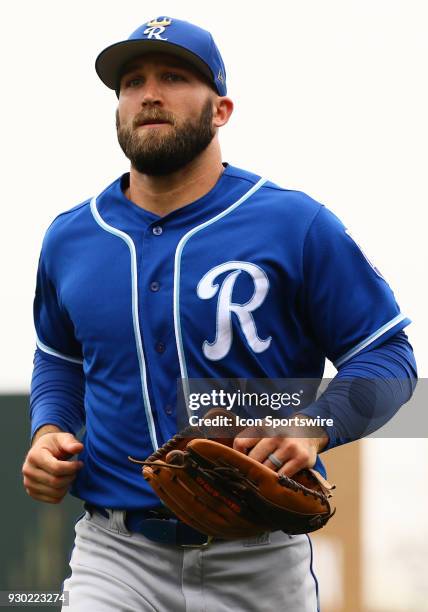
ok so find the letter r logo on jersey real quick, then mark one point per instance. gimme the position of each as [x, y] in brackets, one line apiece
[207, 289]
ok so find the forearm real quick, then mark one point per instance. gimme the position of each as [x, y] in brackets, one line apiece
[367, 391]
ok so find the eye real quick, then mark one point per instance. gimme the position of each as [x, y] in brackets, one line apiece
[132, 81]
[173, 77]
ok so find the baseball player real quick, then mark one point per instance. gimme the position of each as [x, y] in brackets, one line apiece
[188, 267]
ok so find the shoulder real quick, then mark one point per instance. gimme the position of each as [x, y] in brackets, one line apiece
[70, 214]
[276, 202]
[65, 222]
[72, 223]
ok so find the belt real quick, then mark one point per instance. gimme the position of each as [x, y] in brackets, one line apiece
[159, 526]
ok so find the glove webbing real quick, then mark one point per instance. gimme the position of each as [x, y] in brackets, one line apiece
[188, 432]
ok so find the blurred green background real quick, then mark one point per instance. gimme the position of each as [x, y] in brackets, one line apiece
[36, 539]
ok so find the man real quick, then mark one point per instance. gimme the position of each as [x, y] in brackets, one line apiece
[190, 268]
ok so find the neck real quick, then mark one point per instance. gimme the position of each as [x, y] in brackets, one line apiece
[163, 194]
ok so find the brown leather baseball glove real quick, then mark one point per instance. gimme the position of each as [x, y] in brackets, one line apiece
[226, 494]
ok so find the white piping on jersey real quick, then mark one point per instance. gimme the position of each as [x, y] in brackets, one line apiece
[177, 273]
[135, 317]
[51, 351]
[365, 343]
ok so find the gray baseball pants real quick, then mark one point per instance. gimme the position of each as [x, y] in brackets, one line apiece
[113, 570]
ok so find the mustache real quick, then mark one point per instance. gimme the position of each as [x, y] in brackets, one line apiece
[153, 115]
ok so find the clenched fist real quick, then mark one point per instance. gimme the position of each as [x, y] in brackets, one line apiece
[47, 471]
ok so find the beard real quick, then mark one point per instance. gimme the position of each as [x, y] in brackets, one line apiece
[157, 154]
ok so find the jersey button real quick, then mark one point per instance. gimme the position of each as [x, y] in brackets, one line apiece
[157, 230]
[160, 347]
[168, 409]
[154, 286]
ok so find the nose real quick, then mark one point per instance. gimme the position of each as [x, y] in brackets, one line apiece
[151, 93]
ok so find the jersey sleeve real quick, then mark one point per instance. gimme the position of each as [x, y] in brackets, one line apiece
[348, 303]
[54, 328]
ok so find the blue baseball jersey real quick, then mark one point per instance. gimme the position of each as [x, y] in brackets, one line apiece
[250, 281]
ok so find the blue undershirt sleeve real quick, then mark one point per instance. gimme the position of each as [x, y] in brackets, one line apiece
[57, 394]
[367, 391]
[58, 381]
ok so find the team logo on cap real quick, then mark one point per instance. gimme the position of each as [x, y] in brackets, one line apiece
[156, 27]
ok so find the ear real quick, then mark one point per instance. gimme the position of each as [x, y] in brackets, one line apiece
[223, 108]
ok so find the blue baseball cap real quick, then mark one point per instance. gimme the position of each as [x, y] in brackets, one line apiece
[167, 35]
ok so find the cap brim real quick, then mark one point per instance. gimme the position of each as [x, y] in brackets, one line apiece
[110, 62]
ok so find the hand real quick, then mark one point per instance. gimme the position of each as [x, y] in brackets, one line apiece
[294, 452]
[46, 471]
